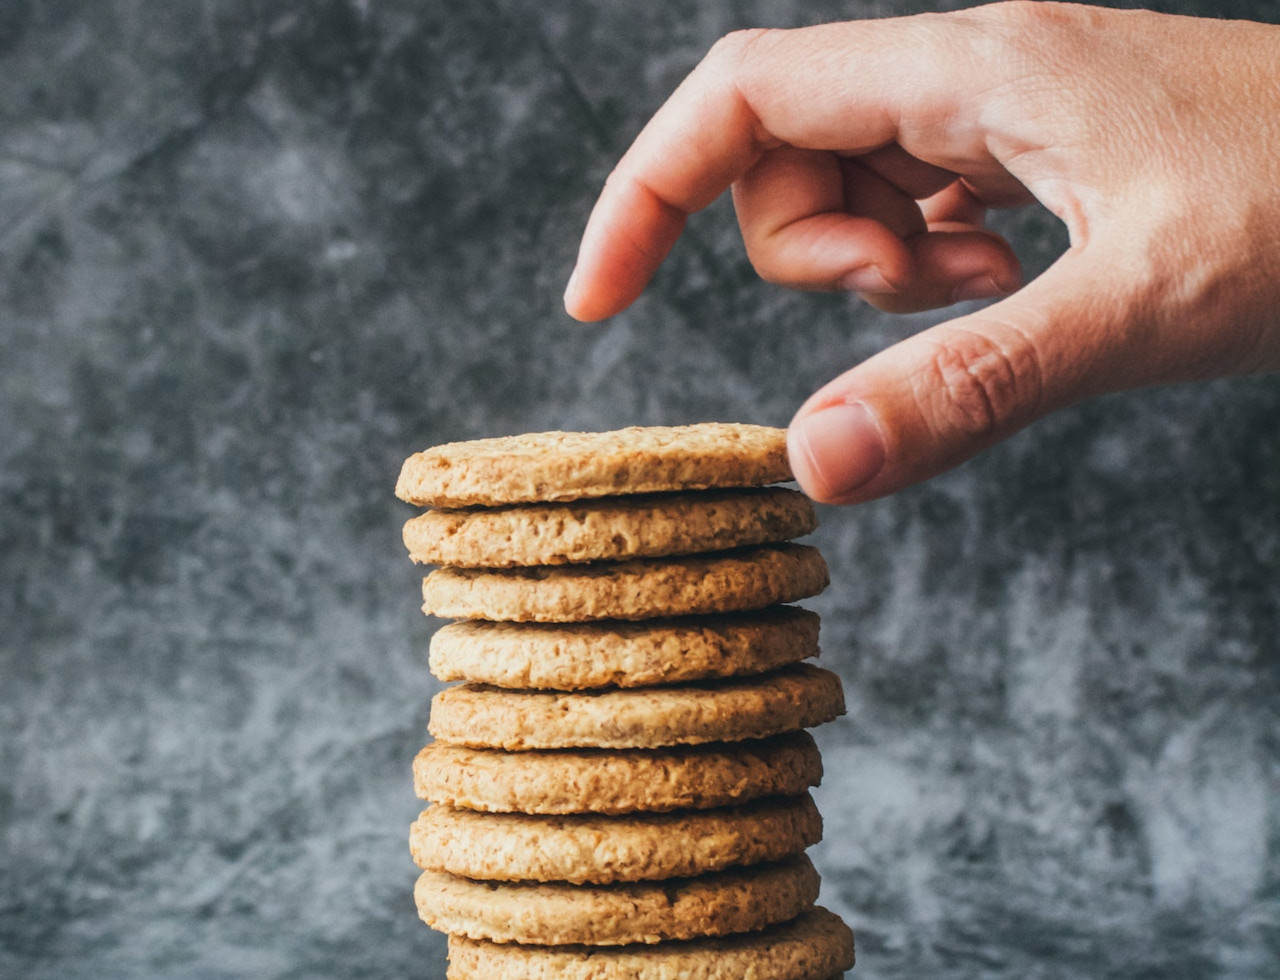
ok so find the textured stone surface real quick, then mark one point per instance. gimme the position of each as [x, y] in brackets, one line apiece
[256, 253]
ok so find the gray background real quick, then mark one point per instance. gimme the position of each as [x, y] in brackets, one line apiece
[255, 253]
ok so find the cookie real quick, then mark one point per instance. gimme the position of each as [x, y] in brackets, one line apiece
[646, 780]
[601, 850]
[720, 904]
[578, 656]
[613, 528]
[815, 946]
[483, 717]
[643, 588]
[571, 465]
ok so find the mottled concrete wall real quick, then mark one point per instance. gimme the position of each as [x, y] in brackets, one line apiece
[254, 253]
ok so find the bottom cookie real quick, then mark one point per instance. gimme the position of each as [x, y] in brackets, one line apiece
[815, 946]
[719, 904]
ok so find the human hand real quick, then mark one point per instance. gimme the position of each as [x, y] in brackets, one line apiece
[863, 156]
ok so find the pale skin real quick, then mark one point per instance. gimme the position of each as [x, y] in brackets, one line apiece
[863, 156]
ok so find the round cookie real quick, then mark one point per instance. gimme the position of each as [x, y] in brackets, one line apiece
[638, 780]
[579, 656]
[614, 528]
[815, 946]
[483, 717]
[643, 588]
[601, 850]
[720, 904]
[570, 465]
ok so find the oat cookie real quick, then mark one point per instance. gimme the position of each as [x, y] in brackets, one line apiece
[716, 904]
[590, 781]
[570, 465]
[815, 946]
[611, 528]
[578, 656]
[643, 588]
[601, 850]
[483, 717]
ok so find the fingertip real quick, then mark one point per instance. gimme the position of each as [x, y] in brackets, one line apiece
[982, 286]
[588, 307]
[1004, 278]
[629, 233]
[836, 450]
[592, 294]
[865, 279]
[954, 265]
[978, 264]
[582, 306]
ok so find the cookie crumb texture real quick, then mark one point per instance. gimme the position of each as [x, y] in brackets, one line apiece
[795, 697]
[718, 904]
[637, 780]
[815, 946]
[551, 466]
[588, 849]
[644, 588]
[582, 656]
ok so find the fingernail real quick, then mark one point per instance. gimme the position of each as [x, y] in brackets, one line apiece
[843, 447]
[866, 279]
[568, 289]
[979, 287]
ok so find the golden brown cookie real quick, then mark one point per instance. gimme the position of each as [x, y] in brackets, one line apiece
[484, 717]
[815, 946]
[578, 656]
[611, 528]
[601, 850]
[720, 904]
[570, 465]
[590, 781]
[643, 588]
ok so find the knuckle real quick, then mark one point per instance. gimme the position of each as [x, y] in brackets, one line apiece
[979, 385]
[739, 59]
[1028, 13]
[1045, 30]
[735, 47]
[1024, 32]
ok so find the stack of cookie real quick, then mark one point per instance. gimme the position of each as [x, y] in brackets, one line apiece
[620, 785]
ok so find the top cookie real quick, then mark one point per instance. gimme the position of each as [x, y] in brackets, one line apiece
[570, 465]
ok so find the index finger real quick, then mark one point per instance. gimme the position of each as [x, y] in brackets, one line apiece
[850, 87]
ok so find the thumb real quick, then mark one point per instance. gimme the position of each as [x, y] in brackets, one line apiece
[934, 400]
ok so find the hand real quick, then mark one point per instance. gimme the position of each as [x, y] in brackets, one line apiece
[863, 156]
